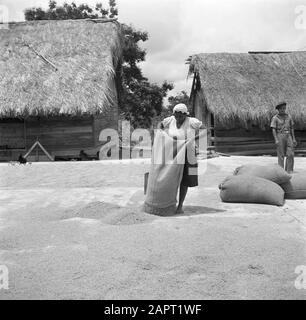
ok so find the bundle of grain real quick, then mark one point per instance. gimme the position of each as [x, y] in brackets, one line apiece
[296, 187]
[274, 173]
[251, 189]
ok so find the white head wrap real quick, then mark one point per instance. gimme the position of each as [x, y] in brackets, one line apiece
[181, 107]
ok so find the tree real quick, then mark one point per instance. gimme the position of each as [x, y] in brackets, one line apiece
[143, 101]
[70, 11]
[34, 14]
[181, 97]
[132, 53]
[167, 111]
[140, 99]
[113, 9]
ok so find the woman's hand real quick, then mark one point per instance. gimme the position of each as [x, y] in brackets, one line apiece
[161, 126]
[294, 143]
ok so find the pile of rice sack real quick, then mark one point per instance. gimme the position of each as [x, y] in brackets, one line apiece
[295, 188]
[269, 184]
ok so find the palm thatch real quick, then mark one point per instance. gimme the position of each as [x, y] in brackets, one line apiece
[247, 86]
[57, 67]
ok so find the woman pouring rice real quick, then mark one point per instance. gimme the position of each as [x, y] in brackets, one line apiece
[176, 140]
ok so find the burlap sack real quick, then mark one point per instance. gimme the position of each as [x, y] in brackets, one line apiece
[272, 172]
[251, 189]
[165, 175]
[296, 187]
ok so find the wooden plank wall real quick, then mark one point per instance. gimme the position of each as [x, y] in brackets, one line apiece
[12, 134]
[108, 120]
[244, 142]
[60, 133]
[12, 139]
[251, 142]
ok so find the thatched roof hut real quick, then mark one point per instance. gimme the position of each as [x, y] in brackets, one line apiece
[59, 84]
[57, 67]
[244, 88]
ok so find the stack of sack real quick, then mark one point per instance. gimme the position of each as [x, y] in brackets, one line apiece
[258, 184]
[295, 188]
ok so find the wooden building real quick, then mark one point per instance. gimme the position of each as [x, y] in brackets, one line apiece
[59, 84]
[235, 95]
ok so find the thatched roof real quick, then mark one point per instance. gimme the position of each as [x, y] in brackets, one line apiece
[84, 55]
[247, 86]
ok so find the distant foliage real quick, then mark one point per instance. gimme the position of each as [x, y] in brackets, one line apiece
[71, 11]
[34, 14]
[143, 101]
[181, 97]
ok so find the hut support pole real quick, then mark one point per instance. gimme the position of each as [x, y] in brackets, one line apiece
[212, 129]
[25, 133]
[193, 94]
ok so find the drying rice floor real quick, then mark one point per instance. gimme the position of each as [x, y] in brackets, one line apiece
[75, 230]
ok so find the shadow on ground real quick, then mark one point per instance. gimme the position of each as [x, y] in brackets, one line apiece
[196, 210]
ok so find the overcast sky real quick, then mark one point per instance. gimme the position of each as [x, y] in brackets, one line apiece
[179, 28]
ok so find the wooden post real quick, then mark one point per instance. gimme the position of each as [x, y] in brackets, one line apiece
[212, 126]
[146, 178]
[93, 130]
[193, 94]
[25, 133]
[38, 144]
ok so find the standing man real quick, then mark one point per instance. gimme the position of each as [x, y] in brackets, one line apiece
[283, 131]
